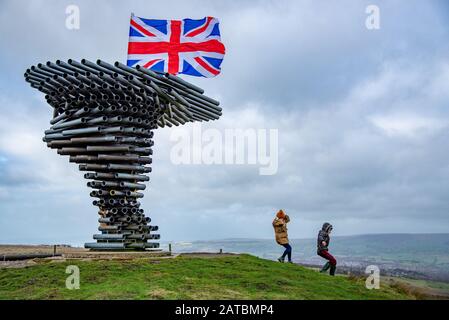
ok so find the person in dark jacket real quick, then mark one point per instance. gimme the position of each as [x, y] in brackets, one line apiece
[323, 248]
[281, 235]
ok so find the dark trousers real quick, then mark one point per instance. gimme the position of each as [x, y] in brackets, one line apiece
[287, 252]
[332, 261]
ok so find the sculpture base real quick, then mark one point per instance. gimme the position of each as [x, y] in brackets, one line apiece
[121, 246]
[117, 255]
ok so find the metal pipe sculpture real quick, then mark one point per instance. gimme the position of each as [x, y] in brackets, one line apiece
[103, 119]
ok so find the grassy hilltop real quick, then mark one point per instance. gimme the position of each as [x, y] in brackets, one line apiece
[227, 277]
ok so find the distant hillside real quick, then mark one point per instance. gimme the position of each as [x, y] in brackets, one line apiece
[422, 256]
[227, 277]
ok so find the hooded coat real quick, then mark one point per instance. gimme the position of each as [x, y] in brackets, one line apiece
[323, 235]
[280, 229]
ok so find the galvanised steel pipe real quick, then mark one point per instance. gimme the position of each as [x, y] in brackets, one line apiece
[106, 220]
[110, 228]
[109, 236]
[128, 167]
[138, 236]
[69, 123]
[81, 131]
[134, 194]
[128, 176]
[142, 245]
[114, 193]
[105, 245]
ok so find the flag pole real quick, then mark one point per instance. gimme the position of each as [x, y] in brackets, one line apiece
[126, 60]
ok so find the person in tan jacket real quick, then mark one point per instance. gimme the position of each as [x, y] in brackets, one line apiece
[280, 231]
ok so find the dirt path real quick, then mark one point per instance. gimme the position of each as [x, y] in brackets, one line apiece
[10, 249]
[68, 252]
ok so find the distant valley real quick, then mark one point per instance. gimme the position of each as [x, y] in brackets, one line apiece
[419, 256]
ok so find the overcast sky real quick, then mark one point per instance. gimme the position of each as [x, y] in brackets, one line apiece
[362, 116]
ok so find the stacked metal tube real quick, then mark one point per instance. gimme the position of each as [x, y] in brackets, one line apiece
[103, 119]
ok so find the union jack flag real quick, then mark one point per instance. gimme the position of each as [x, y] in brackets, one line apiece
[185, 46]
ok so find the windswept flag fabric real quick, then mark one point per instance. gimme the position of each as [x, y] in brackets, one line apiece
[185, 46]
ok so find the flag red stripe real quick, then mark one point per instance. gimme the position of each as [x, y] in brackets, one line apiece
[160, 47]
[198, 31]
[173, 48]
[206, 66]
[141, 29]
[149, 63]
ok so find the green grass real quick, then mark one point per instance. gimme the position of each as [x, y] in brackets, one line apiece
[231, 277]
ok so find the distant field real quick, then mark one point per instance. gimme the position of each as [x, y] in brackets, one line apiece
[228, 277]
[427, 289]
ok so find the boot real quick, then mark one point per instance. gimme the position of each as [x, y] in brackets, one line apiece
[325, 267]
[332, 272]
[281, 259]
